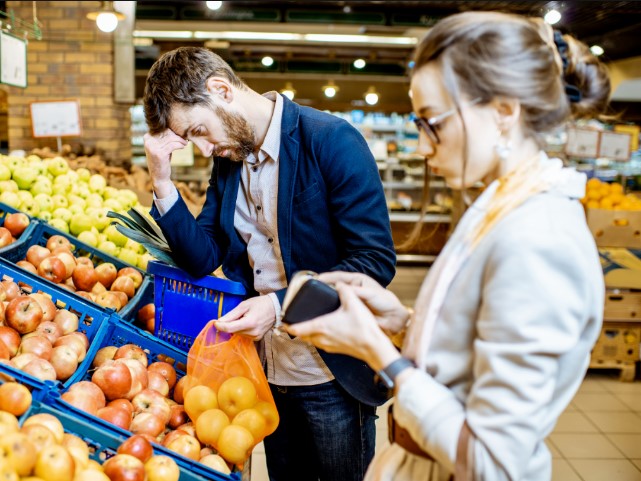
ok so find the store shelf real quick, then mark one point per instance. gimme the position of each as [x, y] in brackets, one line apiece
[415, 217]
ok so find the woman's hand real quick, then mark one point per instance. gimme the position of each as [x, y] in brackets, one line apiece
[391, 315]
[352, 329]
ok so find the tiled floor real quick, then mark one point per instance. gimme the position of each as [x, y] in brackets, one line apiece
[597, 438]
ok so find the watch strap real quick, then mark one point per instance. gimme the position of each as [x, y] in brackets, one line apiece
[389, 374]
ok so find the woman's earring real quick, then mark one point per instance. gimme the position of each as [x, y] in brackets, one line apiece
[503, 147]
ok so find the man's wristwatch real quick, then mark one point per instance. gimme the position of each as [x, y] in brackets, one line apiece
[389, 374]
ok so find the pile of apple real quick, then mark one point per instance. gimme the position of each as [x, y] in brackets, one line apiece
[216, 428]
[73, 201]
[103, 284]
[41, 449]
[38, 338]
[14, 225]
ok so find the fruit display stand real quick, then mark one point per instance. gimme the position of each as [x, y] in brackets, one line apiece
[26, 234]
[90, 316]
[44, 231]
[184, 304]
[116, 333]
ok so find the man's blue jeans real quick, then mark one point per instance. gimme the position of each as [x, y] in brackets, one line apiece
[324, 434]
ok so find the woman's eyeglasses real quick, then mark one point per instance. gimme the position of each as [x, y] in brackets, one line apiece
[429, 126]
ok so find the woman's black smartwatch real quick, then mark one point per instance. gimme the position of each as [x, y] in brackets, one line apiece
[388, 374]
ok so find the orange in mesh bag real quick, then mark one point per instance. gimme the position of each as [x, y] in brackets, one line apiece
[238, 409]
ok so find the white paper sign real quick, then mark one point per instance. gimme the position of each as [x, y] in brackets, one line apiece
[56, 119]
[615, 146]
[583, 143]
[13, 60]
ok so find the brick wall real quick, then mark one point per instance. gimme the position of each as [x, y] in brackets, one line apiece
[74, 60]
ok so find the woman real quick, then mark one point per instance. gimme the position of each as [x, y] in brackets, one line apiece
[506, 318]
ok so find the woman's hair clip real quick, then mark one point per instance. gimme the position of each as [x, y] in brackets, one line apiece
[571, 91]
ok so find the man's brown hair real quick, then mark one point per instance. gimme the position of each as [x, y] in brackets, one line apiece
[179, 77]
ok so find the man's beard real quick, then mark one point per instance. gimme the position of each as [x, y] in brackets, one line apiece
[242, 140]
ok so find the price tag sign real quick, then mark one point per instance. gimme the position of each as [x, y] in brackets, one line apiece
[56, 119]
[615, 146]
[582, 143]
[13, 60]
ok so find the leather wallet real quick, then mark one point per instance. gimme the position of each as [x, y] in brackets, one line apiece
[307, 298]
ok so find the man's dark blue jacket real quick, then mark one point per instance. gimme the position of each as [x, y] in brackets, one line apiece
[332, 213]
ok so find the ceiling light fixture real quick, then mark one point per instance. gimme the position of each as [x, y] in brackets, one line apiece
[597, 50]
[214, 5]
[359, 63]
[371, 96]
[106, 18]
[289, 91]
[330, 90]
[267, 61]
[552, 17]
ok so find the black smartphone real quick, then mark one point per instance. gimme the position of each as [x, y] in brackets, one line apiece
[308, 298]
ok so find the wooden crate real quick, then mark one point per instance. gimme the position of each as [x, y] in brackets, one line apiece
[617, 348]
[623, 305]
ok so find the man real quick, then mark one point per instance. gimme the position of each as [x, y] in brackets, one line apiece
[291, 189]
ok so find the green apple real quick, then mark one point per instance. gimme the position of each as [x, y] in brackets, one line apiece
[94, 200]
[83, 190]
[41, 187]
[38, 166]
[97, 183]
[83, 174]
[144, 259]
[88, 237]
[76, 200]
[59, 200]
[25, 195]
[76, 209]
[44, 201]
[102, 237]
[33, 158]
[8, 186]
[135, 246]
[10, 198]
[58, 166]
[45, 215]
[73, 176]
[62, 213]
[101, 221]
[59, 224]
[110, 192]
[114, 236]
[79, 223]
[108, 247]
[113, 204]
[61, 188]
[128, 256]
[25, 177]
[15, 162]
[5, 172]
[29, 207]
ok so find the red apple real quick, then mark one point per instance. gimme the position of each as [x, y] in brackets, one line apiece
[124, 467]
[131, 351]
[107, 273]
[68, 260]
[5, 354]
[87, 295]
[147, 423]
[52, 269]
[64, 360]
[114, 378]
[167, 371]
[84, 277]
[27, 266]
[139, 377]
[85, 261]
[82, 336]
[49, 309]
[108, 299]
[171, 435]
[186, 445]
[106, 353]
[158, 383]
[36, 254]
[90, 390]
[124, 404]
[11, 289]
[153, 402]
[123, 298]
[16, 223]
[50, 330]
[179, 394]
[177, 416]
[5, 237]
[23, 314]
[162, 468]
[56, 241]
[41, 369]
[137, 446]
[115, 415]
[81, 401]
[21, 360]
[135, 275]
[38, 345]
[66, 320]
[124, 284]
[74, 343]
[11, 339]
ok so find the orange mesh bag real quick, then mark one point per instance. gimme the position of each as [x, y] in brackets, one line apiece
[227, 396]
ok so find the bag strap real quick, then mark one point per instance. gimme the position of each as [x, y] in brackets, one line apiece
[464, 455]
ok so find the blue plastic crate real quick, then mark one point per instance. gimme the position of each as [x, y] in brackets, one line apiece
[90, 316]
[184, 304]
[42, 234]
[116, 333]
[102, 444]
[28, 232]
